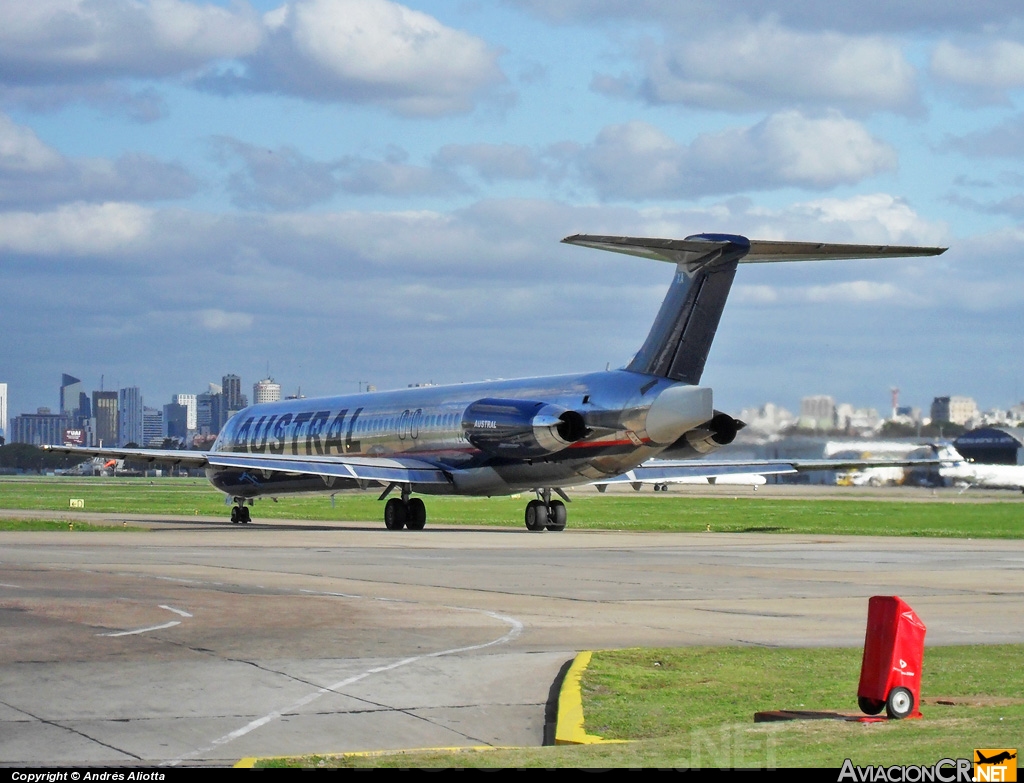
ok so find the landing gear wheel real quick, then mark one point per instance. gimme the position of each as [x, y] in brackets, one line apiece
[536, 515]
[243, 515]
[899, 704]
[870, 706]
[394, 514]
[234, 515]
[415, 514]
[556, 516]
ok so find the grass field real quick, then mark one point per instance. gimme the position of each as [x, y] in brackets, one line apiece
[647, 511]
[694, 707]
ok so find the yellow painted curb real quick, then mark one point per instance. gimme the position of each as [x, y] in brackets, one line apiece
[569, 723]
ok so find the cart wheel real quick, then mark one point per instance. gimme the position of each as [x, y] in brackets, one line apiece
[899, 704]
[870, 706]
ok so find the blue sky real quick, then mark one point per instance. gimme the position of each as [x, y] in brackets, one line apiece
[357, 191]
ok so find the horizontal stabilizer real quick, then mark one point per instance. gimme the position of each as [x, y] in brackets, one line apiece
[696, 249]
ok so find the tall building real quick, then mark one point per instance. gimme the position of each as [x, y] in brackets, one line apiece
[205, 404]
[818, 412]
[176, 421]
[266, 391]
[129, 416]
[70, 394]
[104, 410]
[42, 428]
[152, 427]
[190, 403]
[3, 412]
[74, 402]
[232, 391]
[957, 410]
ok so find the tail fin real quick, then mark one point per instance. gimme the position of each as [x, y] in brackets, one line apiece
[679, 341]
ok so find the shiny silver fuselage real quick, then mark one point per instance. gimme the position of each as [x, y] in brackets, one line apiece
[426, 423]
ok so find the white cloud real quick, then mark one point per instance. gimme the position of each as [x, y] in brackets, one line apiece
[637, 160]
[74, 229]
[875, 218]
[71, 40]
[847, 292]
[852, 291]
[33, 174]
[987, 72]
[372, 51]
[364, 51]
[747, 66]
[22, 151]
[492, 162]
[223, 321]
[867, 15]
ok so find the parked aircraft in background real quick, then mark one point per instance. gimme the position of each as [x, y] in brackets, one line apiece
[499, 438]
[662, 472]
[960, 472]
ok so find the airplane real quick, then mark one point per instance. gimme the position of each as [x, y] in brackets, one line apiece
[965, 473]
[504, 437]
[998, 758]
[662, 472]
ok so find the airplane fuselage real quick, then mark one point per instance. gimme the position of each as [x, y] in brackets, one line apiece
[985, 476]
[448, 426]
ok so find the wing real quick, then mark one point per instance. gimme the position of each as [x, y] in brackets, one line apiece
[658, 471]
[386, 470]
[380, 469]
[665, 472]
[190, 459]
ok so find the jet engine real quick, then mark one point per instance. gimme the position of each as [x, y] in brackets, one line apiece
[521, 428]
[718, 431]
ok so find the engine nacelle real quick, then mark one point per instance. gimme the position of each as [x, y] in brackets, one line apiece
[521, 428]
[710, 436]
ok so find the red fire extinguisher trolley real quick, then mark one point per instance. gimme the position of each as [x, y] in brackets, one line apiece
[890, 672]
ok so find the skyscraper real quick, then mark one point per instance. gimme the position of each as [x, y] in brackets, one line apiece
[70, 392]
[129, 412]
[3, 412]
[104, 410]
[266, 391]
[152, 427]
[232, 392]
[189, 401]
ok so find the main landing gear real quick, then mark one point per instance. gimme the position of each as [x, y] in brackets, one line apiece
[404, 511]
[240, 512]
[545, 513]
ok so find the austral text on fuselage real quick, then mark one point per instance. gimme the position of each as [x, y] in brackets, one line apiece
[327, 432]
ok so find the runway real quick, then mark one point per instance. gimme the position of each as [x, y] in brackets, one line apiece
[200, 642]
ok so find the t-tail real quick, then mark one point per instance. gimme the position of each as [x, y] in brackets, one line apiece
[679, 341]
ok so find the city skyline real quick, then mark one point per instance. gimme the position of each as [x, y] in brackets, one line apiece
[368, 191]
[190, 421]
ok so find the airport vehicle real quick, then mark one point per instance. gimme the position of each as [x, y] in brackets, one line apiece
[503, 437]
